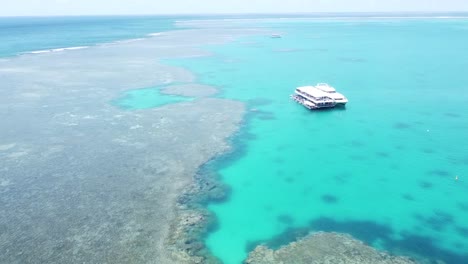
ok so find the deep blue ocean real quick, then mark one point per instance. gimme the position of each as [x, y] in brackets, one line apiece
[391, 169]
[29, 34]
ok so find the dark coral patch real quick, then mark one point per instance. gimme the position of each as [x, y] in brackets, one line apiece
[383, 179]
[454, 115]
[382, 154]
[357, 157]
[259, 102]
[364, 230]
[264, 115]
[278, 160]
[426, 113]
[280, 172]
[210, 188]
[408, 197]
[329, 199]
[400, 147]
[463, 231]
[289, 235]
[282, 148]
[439, 173]
[427, 150]
[249, 136]
[289, 179]
[401, 125]
[463, 206]
[438, 221]
[285, 219]
[425, 185]
[458, 245]
[357, 143]
[342, 177]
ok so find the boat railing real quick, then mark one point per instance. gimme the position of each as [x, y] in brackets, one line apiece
[322, 98]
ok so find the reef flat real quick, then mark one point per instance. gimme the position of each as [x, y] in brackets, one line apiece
[324, 248]
[190, 90]
[84, 181]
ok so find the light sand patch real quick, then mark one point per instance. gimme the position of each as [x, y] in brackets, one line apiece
[69, 124]
[89, 117]
[18, 154]
[31, 95]
[52, 150]
[4, 182]
[120, 140]
[7, 146]
[190, 90]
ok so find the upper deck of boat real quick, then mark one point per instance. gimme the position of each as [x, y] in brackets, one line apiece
[326, 87]
[313, 92]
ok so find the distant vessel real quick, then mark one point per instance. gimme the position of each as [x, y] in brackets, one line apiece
[275, 36]
[339, 98]
[313, 98]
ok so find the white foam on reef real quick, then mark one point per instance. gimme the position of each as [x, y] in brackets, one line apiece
[85, 47]
[123, 41]
[56, 50]
[127, 40]
[155, 34]
[99, 44]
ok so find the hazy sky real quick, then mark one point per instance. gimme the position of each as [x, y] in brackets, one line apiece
[93, 7]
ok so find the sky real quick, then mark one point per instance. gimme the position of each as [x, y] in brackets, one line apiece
[115, 7]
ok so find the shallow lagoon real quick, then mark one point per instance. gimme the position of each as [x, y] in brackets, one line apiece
[147, 98]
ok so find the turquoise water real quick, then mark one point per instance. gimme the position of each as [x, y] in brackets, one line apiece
[384, 169]
[147, 98]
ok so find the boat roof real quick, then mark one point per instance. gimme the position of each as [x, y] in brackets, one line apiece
[325, 87]
[312, 91]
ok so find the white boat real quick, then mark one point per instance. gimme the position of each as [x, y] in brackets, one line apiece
[339, 98]
[275, 36]
[313, 98]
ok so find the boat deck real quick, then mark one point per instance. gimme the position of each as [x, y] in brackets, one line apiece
[314, 98]
[306, 103]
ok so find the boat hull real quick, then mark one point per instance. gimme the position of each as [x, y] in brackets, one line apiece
[309, 104]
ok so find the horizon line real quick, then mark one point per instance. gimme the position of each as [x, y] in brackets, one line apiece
[243, 14]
